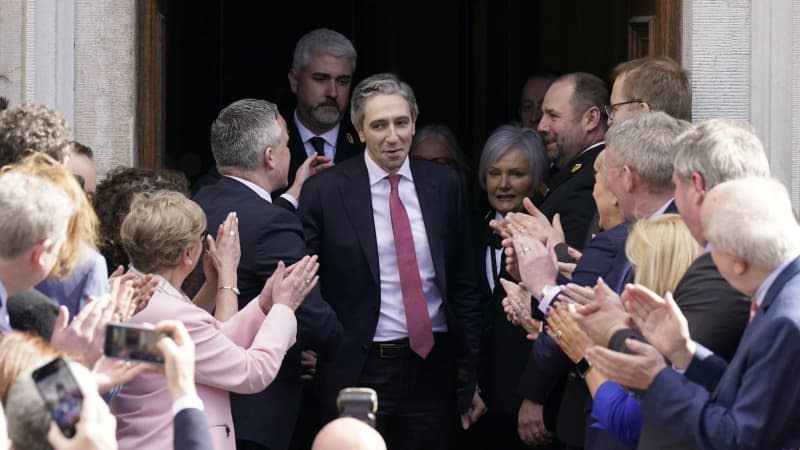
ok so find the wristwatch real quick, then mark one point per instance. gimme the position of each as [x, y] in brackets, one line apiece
[233, 289]
[583, 366]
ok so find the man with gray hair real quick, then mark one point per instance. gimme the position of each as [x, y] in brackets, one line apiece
[390, 234]
[320, 77]
[751, 401]
[249, 142]
[33, 227]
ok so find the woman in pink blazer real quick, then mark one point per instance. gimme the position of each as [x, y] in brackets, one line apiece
[164, 234]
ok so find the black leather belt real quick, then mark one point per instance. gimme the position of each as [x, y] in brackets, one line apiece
[391, 349]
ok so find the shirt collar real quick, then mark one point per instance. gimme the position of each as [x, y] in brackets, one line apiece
[330, 136]
[3, 294]
[660, 211]
[597, 144]
[762, 290]
[377, 174]
[254, 187]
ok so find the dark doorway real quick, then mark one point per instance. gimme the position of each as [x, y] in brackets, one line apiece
[466, 59]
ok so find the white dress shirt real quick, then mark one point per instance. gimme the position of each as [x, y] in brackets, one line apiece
[497, 255]
[329, 136]
[392, 319]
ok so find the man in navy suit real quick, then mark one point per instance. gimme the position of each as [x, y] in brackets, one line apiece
[638, 164]
[249, 142]
[751, 402]
[389, 231]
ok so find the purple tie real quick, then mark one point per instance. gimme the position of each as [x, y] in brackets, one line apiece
[420, 334]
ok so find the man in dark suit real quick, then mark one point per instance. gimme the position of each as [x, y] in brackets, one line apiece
[389, 231]
[320, 77]
[752, 401]
[249, 141]
[572, 127]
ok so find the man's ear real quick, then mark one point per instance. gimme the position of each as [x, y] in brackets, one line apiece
[40, 252]
[629, 178]
[293, 80]
[740, 266]
[592, 118]
[699, 184]
[360, 132]
[267, 159]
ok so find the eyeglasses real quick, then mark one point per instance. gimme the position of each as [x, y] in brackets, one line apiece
[611, 109]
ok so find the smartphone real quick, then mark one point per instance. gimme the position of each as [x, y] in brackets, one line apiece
[133, 342]
[61, 394]
[358, 402]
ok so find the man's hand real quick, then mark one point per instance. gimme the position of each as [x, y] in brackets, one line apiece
[637, 370]
[530, 424]
[308, 365]
[178, 358]
[313, 165]
[604, 316]
[661, 322]
[96, 430]
[475, 411]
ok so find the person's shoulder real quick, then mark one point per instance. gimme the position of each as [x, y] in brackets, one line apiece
[433, 171]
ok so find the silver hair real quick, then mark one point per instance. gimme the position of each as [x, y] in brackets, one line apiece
[720, 150]
[446, 136]
[242, 131]
[509, 137]
[33, 209]
[380, 84]
[753, 218]
[325, 42]
[645, 144]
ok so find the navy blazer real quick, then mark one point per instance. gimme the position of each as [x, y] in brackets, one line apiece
[751, 402]
[268, 234]
[336, 209]
[190, 431]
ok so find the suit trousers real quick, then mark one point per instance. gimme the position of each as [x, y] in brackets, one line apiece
[416, 397]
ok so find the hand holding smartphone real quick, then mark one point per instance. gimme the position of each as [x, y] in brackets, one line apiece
[133, 342]
[61, 394]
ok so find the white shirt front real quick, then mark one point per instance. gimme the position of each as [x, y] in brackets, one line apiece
[392, 318]
[493, 270]
[329, 136]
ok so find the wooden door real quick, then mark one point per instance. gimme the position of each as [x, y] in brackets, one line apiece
[654, 29]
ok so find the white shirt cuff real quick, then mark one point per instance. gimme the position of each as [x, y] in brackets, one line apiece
[290, 198]
[186, 402]
[547, 300]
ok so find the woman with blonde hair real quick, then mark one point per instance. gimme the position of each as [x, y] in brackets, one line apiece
[661, 250]
[164, 234]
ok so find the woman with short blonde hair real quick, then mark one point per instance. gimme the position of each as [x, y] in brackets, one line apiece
[661, 250]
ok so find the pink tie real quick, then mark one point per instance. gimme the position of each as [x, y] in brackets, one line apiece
[420, 334]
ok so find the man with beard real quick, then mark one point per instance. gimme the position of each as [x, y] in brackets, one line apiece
[572, 127]
[320, 77]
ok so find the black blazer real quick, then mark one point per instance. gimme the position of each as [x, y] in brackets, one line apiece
[191, 431]
[336, 210]
[347, 143]
[569, 193]
[268, 234]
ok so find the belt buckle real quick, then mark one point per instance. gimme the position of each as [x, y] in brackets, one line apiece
[387, 351]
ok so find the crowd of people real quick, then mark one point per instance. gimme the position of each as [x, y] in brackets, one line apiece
[632, 285]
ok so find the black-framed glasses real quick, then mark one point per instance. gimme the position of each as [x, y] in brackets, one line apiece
[611, 109]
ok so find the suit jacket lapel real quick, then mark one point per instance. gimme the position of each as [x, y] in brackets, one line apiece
[357, 200]
[347, 144]
[430, 204]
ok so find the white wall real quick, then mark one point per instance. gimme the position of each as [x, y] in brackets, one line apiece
[77, 56]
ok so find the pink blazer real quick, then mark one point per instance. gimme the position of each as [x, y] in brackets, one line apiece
[242, 355]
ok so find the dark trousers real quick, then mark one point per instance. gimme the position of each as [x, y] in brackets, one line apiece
[416, 397]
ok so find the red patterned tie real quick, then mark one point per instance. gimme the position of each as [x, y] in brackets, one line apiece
[420, 334]
[753, 310]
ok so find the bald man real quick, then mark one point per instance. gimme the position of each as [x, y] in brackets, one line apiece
[347, 433]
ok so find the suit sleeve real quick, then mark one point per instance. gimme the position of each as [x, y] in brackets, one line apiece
[547, 365]
[577, 210]
[317, 326]
[191, 430]
[764, 408]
